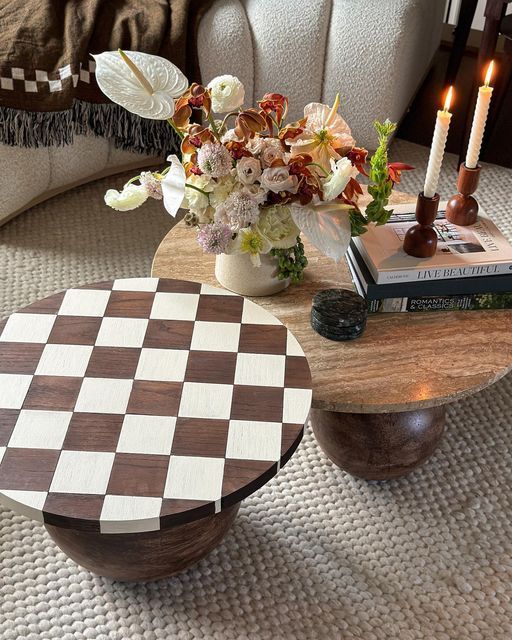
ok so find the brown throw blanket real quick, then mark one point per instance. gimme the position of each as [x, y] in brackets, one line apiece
[48, 90]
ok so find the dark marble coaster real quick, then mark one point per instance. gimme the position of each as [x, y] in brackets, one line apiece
[338, 314]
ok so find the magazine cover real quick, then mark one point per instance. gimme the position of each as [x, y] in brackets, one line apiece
[462, 252]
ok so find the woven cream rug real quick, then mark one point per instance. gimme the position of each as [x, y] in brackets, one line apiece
[315, 553]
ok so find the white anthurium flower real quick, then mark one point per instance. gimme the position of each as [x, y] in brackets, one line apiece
[227, 93]
[142, 83]
[173, 186]
[342, 171]
[131, 197]
[326, 225]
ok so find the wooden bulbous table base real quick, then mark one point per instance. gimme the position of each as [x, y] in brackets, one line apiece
[379, 446]
[377, 408]
[142, 557]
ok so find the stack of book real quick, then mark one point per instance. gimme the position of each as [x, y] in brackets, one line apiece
[472, 267]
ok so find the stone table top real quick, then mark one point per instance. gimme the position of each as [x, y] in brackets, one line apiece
[138, 404]
[402, 362]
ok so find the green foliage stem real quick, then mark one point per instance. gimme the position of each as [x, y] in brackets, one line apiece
[380, 185]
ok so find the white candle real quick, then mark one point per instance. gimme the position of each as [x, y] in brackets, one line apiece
[479, 119]
[435, 159]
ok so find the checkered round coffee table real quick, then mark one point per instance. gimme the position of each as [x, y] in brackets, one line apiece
[135, 415]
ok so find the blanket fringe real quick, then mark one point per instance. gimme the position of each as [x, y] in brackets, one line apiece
[57, 128]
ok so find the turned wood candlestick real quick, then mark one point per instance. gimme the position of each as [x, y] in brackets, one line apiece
[421, 240]
[462, 208]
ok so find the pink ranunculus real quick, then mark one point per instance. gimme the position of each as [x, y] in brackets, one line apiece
[248, 170]
[278, 179]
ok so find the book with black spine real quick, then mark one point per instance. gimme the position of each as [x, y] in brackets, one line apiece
[451, 286]
[479, 250]
[418, 303]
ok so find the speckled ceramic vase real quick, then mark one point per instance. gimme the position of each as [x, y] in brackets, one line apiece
[238, 274]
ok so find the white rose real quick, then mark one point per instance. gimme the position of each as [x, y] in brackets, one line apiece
[256, 191]
[221, 190]
[270, 153]
[342, 171]
[269, 149]
[248, 170]
[276, 225]
[131, 197]
[278, 179]
[196, 200]
[227, 93]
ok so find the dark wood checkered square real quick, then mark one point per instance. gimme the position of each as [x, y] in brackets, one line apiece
[144, 400]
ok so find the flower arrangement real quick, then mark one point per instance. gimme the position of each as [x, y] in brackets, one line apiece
[250, 182]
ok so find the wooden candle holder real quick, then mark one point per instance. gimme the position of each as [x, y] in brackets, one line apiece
[462, 208]
[421, 240]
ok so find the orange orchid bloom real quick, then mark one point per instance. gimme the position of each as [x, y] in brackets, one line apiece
[395, 171]
[237, 149]
[357, 156]
[275, 103]
[196, 136]
[292, 130]
[196, 97]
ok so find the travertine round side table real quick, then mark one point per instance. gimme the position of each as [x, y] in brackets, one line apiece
[135, 415]
[378, 401]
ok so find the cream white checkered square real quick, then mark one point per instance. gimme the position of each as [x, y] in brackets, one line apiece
[135, 284]
[194, 478]
[41, 76]
[200, 399]
[215, 336]
[130, 514]
[146, 434]
[297, 403]
[28, 327]
[260, 369]
[7, 84]
[65, 72]
[30, 86]
[208, 290]
[64, 360]
[254, 440]
[293, 348]
[104, 395]
[84, 302]
[174, 306]
[254, 314]
[28, 503]
[17, 73]
[40, 429]
[167, 365]
[82, 472]
[121, 332]
[13, 389]
[55, 85]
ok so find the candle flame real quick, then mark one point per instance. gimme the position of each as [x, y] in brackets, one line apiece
[448, 99]
[488, 75]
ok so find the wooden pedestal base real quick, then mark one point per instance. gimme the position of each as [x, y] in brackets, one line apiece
[379, 446]
[145, 556]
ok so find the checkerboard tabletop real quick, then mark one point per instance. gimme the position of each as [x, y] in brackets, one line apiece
[141, 403]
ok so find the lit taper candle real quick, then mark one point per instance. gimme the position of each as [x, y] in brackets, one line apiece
[479, 119]
[435, 159]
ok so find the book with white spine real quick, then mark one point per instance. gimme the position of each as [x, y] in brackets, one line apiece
[462, 252]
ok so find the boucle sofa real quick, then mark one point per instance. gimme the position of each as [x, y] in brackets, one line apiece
[374, 53]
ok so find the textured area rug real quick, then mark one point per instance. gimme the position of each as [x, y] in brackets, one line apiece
[315, 553]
